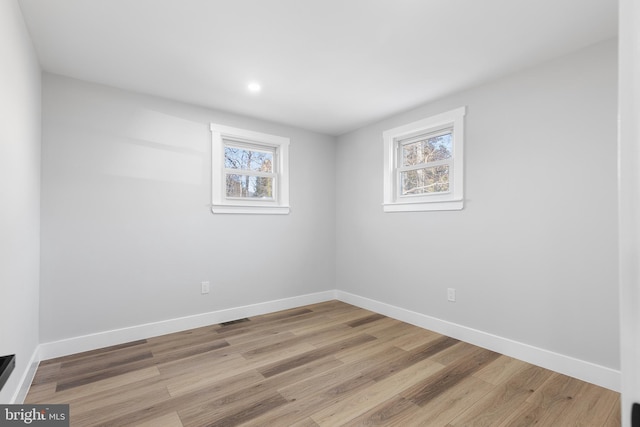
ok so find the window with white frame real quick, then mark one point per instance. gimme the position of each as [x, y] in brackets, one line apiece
[250, 171]
[423, 164]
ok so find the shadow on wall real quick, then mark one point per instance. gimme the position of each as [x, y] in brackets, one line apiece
[152, 146]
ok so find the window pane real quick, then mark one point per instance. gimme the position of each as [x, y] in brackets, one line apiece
[427, 150]
[427, 180]
[256, 187]
[246, 159]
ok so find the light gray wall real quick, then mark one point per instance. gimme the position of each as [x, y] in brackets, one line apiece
[127, 233]
[19, 193]
[533, 255]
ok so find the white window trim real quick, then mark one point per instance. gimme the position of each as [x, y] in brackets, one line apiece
[454, 198]
[220, 203]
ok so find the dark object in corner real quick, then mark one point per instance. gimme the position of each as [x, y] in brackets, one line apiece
[7, 363]
[635, 415]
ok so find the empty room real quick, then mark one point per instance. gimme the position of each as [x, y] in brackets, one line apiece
[319, 213]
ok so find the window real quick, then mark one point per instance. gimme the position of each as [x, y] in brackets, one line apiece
[250, 171]
[423, 164]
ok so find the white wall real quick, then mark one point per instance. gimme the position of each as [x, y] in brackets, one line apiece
[127, 233]
[533, 255]
[19, 194]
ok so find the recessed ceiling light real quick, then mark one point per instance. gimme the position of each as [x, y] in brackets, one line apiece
[254, 87]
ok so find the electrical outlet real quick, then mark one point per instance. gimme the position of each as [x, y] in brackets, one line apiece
[205, 288]
[451, 294]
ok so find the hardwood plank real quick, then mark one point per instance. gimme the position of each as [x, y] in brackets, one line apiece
[374, 347]
[390, 367]
[282, 341]
[295, 361]
[215, 384]
[318, 391]
[556, 391]
[168, 420]
[305, 422]
[100, 408]
[448, 377]
[266, 321]
[118, 367]
[97, 353]
[500, 370]
[414, 337]
[593, 405]
[355, 405]
[46, 373]
[290, 412]
[197, 405]
[104, 385]
[614, 419]
[167, 355]
[176, 342]
[204, 362]
[309, 403]
[387, 328]
[546, 404]
[502, 401]
[345, 316]
[40, 392]
[100, 390]
[303, 373]
[370, 356]
[285, 315]
[331, 379]
[329, 334]
[274, 355]
[242, 401]
[455, 353]
[366, 320]
[526, 415]
[443, 408]
[105, 360]
[588, 408]
[304, 322]
[328, 323]
[385, 413]
[238, 415]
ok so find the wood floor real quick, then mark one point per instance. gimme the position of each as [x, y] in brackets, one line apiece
[328, 364]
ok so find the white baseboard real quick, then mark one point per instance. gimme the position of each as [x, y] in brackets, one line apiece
[586, 371]
[120, 336]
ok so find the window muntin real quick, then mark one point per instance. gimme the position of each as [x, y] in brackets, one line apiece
[238, 157]
[248, 186]
[423, 164]
[427, 148]
[250, 171]
[425, 181]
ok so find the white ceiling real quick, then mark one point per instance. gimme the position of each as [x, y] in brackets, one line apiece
[326, 65]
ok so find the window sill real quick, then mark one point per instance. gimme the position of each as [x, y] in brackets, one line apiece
[449, 205]
[260, 210]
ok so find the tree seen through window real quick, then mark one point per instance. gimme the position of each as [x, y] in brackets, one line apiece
[426, 152]
[249, 184]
